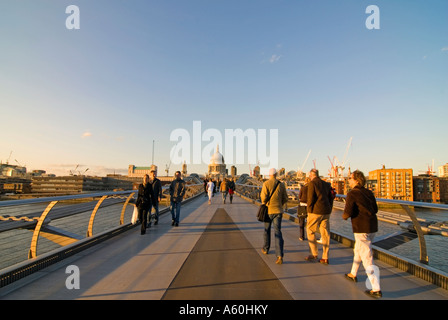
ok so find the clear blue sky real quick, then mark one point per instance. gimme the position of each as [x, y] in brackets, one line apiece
[137, 70]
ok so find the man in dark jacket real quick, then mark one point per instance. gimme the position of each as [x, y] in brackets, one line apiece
[157, 190]
[177, 192]
[361, 207]
[319, 206]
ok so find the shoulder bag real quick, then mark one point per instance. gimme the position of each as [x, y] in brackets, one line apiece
[263, 215]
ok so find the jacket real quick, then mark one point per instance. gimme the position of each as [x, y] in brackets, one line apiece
[157, 188]
[319, 199]
[177, 190]
[361, 207]
[278, 199]
[145, 197]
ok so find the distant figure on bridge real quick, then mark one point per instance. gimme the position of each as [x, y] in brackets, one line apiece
[157, 190]
[279, 198]
[210, 190]
[361, 207]
[319, 207]
[231, 189]
[145, 199]
[301, 210]
[224, 188]
[177, 192]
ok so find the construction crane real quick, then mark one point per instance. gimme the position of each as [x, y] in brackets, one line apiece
[167, 168]
[333, 172]
[300, 170]
[342, 164]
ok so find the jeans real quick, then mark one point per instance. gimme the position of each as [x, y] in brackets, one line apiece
[276, 219]
[175, 206]
[156, 215]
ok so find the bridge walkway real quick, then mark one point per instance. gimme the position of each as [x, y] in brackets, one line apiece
[214, 254]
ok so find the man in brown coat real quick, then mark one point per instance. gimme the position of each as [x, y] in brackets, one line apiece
[319, 204]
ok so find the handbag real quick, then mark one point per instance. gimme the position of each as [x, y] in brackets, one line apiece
[263, 215]
[301, 211]
[134, 216]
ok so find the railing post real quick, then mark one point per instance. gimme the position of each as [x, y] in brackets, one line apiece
[92, 217]
[421, 237]
[32, 253]
[124, 208]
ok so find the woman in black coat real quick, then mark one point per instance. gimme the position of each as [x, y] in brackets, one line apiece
[361, 207]
[144, 202]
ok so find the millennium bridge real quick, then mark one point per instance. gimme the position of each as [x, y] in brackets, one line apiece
[85, 247]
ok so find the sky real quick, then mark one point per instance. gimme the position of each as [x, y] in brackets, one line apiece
[99, 97]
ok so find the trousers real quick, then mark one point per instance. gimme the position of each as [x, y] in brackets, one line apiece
[321, 222]
[363, 253]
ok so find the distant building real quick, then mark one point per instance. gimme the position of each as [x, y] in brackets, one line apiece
[139, 172]
[393, 184]
[430, 189]
[217, 166]
[77, 184]
[233, 171]
[443, 171]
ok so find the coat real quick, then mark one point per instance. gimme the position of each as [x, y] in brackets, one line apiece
[319, 198]
[278, 199]
[361, 207]
[177, 190]
[145, 196]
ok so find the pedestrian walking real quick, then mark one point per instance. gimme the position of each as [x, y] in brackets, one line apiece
[278, 198]
[145, 199]
[157, 191]
[319, 206]
[177, 192]
[301, 209]
[231, 189]
[224, 190]
[210, 190]
[361, 208]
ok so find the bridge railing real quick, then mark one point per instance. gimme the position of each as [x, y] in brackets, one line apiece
[35, 233]
[419, 269]
[252, 192]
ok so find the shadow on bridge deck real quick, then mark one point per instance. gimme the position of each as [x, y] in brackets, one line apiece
[215, 254]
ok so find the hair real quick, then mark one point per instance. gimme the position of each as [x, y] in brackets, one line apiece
[359, 177]
[315, 171]
[145, 176]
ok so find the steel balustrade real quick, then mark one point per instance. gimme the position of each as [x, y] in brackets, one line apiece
[37, 222]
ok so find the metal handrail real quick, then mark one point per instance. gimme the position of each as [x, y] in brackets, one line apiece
[405, 205]
[52, 201]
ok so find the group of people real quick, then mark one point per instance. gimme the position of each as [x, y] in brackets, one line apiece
[150, 194]
[227, 186]
[360, 207]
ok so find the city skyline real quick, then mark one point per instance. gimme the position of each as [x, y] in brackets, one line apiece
[134, 72]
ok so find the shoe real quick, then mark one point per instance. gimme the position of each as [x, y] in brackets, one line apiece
[176, 224]
[351, 278]
[156, 223]
[172, 222]
[324, 261]
[374, 294]
[264, 251]
[279, 260]
[311, 258]
[301, 239]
